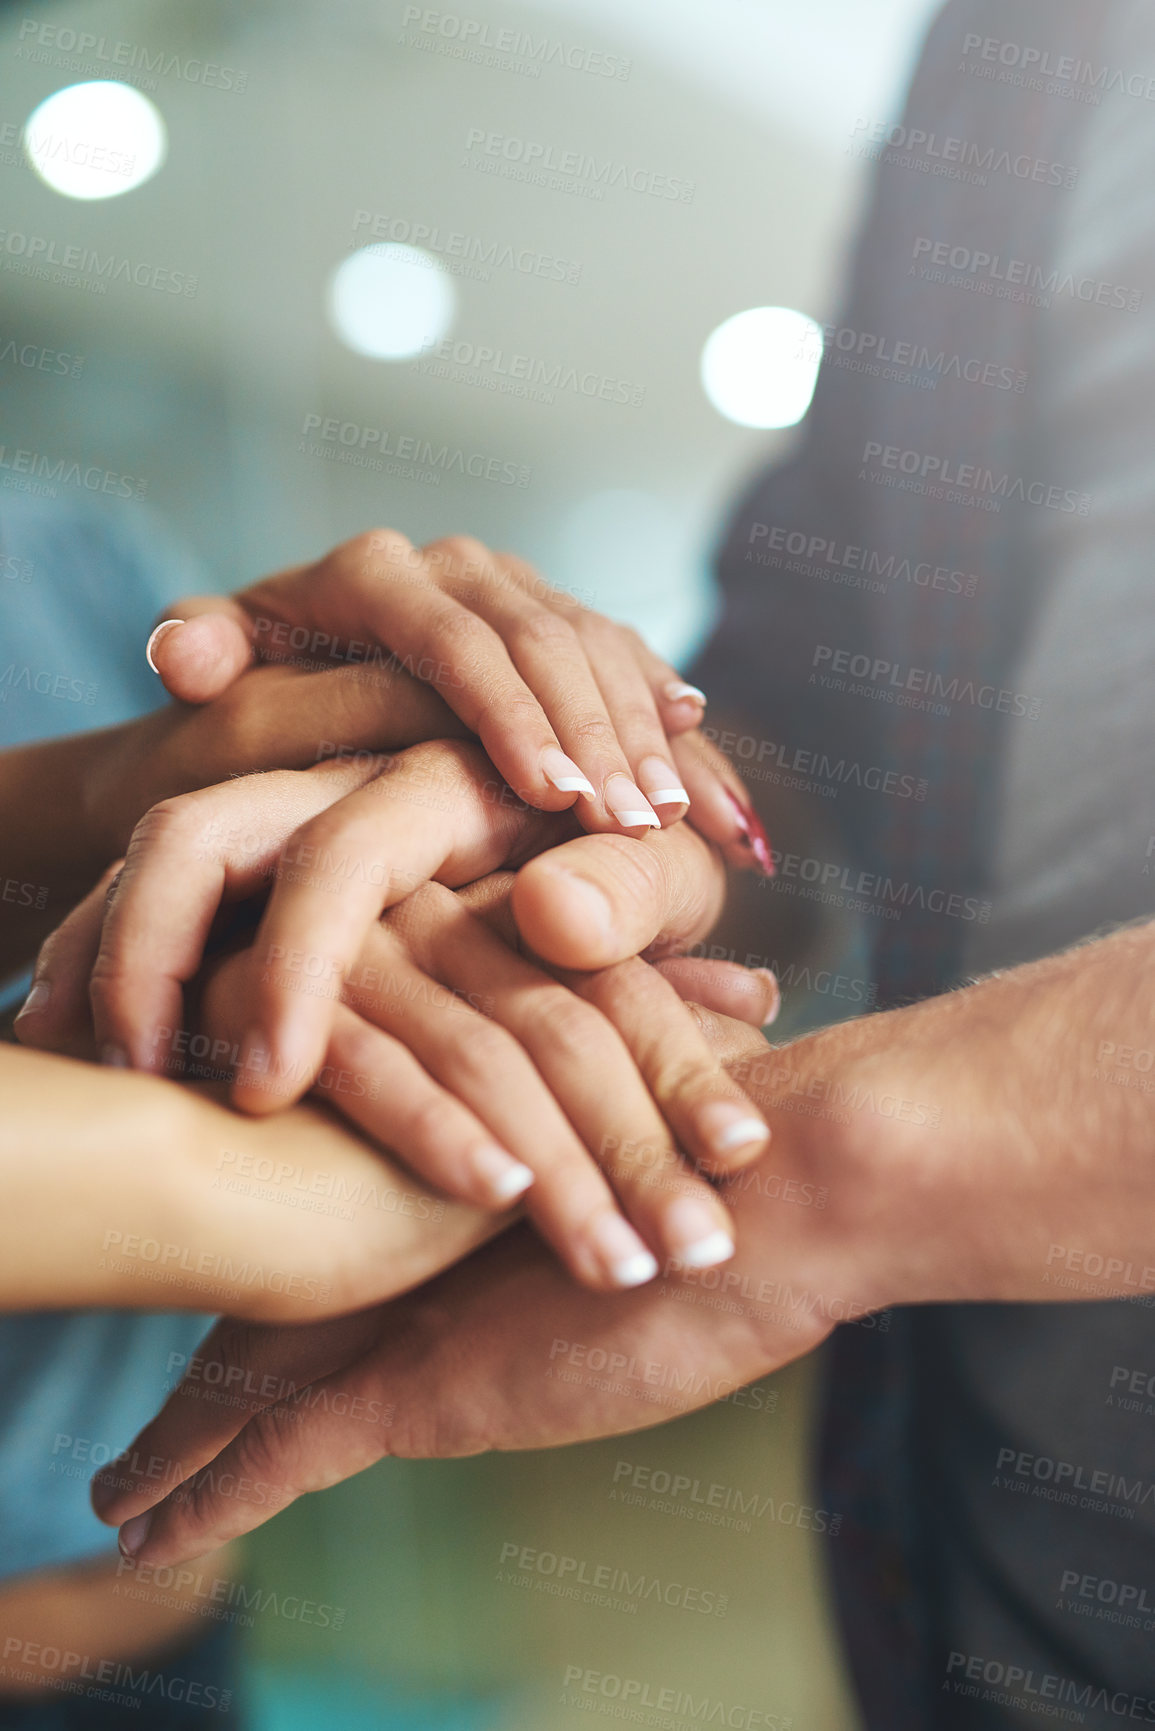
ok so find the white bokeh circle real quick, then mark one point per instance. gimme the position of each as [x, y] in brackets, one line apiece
[759, 368]
[95, 140]
[390, 301]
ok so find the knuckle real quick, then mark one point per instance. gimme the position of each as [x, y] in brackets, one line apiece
[539, 628]
[484, 1054]
[597, 732]
[458, 556]
[373, 548]
[574, 1030]
[433, 1122]
[638, 716]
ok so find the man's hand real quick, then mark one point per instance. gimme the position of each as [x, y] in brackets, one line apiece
[982, 1146]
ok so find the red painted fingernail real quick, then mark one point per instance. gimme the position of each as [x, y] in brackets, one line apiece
[753, 835]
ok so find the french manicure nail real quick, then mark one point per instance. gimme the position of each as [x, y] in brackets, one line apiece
[133, 1534]
[165, 625]
[677, 689]
[504, 1177]
[662, 784]
[563, 773]
[629, 806]
[621, 1252]
[694, 1236]
[36, 1000]
[728, 1127]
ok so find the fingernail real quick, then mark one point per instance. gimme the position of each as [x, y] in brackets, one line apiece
[165, 625]
[253, 1069]
[661, 783]
[774, 992]
[504, 1177]
[133, 1534]
[621, 1252]
[728, 1127]
[694, 1236]
[597, 915]
[114, 1056]
[563, 773]
[679, 689]
[753, 835]
[628, 805]
[36, 1000]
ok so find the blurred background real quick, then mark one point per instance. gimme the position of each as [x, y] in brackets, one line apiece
[362, 263]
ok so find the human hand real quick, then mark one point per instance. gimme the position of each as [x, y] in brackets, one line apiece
[618, 1084]
[503, 1353]
[570, 706]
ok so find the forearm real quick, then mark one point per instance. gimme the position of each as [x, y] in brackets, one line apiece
[127, 1191]
[86, 1153]
[997, 1143]
[53, 848]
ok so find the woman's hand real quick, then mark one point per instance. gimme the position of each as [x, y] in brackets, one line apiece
[585, 1104]
[123, 1190]
[570, 706]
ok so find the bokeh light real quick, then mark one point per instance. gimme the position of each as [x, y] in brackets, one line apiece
[760, 367]
[390, 301]
[95, 140]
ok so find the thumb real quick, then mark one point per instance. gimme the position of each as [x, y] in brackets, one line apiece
[604, 898]
[200, 647]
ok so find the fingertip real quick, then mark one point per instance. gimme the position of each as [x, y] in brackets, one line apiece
[198, 658]
[563, 917]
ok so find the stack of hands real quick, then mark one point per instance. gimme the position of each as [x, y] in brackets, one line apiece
[398, 887]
